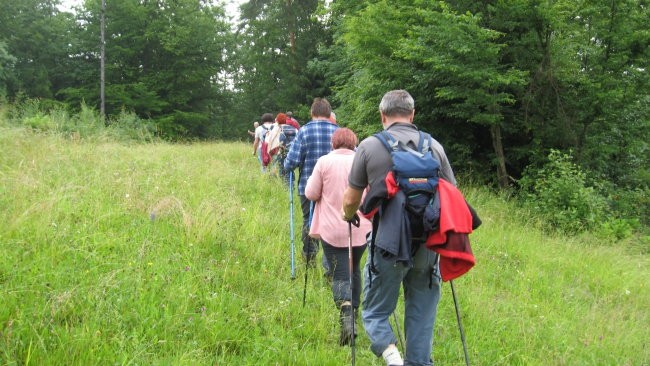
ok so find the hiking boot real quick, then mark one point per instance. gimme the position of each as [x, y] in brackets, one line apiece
[347, 325]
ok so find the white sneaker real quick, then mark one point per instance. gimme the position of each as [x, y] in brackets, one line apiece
[392, 357]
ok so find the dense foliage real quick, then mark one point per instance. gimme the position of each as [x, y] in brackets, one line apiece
[500, 83]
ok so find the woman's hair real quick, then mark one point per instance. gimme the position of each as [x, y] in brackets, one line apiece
[281, 118]
[344, 138]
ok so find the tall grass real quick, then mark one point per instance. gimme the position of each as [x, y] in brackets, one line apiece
[51, 117]
[179, 254]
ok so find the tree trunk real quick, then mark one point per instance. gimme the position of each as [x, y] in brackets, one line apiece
[502, 174]
[292, 26]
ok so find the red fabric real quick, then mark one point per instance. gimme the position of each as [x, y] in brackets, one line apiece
[266, 158]
[451, 240]
[292, 122]
[456, 257]
[391, 185]
[371, 214]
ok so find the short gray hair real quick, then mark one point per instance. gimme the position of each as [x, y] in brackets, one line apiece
[397, 103]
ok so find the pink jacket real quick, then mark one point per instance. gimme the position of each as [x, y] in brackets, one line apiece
[325, 186]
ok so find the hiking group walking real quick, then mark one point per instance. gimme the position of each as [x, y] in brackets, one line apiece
[396, 195]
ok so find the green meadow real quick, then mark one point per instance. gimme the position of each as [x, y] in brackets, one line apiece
[179, 254]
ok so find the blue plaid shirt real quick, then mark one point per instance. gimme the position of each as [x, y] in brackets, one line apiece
[312, 141]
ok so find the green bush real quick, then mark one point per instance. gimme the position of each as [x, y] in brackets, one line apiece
[617, 228]
[43, 115]
[128, 126]
[87, 122]
[632, 204]
[39, 122]
[559, 193]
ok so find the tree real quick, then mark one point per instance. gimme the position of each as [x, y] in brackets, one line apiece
[36, 35]
[446, 60]
[164, 61]
[7, 62]
[276, 41]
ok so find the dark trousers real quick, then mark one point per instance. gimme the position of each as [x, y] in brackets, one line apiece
[309, 245]
[282, 173]
[340, 270]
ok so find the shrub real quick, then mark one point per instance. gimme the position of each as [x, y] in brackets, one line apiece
[617, 228]
[128, 126]
[39, 122]
[50, 116]
[559, 193]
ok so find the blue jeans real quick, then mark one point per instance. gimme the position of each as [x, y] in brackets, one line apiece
[421, 296]
[309, 244]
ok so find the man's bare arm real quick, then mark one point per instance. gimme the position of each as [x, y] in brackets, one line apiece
[351, 202]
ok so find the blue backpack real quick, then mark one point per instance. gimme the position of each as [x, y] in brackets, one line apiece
[416, 173]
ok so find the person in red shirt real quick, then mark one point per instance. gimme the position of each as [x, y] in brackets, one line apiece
[292, 121]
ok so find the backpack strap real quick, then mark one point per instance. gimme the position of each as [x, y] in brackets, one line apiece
[389, 142]
[392, 144]
[425, 142]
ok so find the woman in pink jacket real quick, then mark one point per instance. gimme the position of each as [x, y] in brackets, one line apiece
[325, 187]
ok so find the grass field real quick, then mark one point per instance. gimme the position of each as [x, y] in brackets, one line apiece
[178, 254]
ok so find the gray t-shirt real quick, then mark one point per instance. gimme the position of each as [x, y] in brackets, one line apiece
[372, 161]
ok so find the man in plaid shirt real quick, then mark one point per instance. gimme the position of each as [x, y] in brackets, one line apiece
[313, 140]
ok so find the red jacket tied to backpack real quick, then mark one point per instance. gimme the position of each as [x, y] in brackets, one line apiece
[451, 240]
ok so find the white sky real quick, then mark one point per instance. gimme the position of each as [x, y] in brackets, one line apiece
[232, 6]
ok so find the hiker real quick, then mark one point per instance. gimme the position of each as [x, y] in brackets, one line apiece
[313, 140]
[415, 268]
[260, 134]
[292, 121]
[252, 133]
[279, 141]
[325, 187]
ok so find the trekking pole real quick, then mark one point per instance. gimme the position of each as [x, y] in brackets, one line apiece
[351, 273]
[460, 325]
[304, 290]
[293, 249]
[356, 222]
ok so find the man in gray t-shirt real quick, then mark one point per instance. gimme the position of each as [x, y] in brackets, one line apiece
[421, 281]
